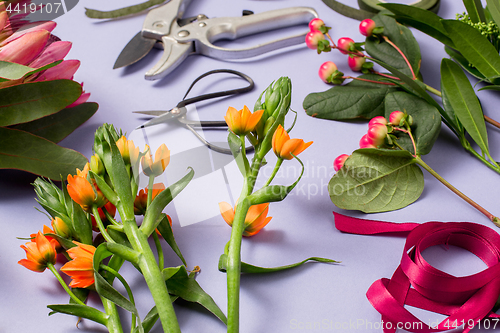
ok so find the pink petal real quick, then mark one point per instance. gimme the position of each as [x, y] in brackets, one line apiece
[82, 99]
[25, 48]
[54, 52]
[27, 28]
[4, 20]
[65, 70]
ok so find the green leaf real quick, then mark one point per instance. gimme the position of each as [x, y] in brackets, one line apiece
[356, 99]
[357, 14]
[12, 71]
[475, 10]
[490, 87]
[451, 113]
[475, 48]
[80, 293]
[402, 37]
[161, 200]
[460, 59]
[65, 243]
[57, 126]
[377, 180]
[421, 19]
[464, 102]
[247, 268]
[81, 225]
[180, 284]
[30, 101]
[494, 10]
[167, 234]
[426, 120]
[108, 192]
[235, 146]
[24, 151]
[130, 10]
[82, 311]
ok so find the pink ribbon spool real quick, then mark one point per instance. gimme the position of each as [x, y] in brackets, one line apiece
[465, 300]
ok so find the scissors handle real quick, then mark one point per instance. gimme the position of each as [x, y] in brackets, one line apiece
[203, 33]
[159, 20]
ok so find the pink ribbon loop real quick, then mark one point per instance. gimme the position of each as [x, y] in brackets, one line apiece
[465, 300]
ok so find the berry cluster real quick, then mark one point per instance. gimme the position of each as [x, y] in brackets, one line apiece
[378, 135]
[316, 40]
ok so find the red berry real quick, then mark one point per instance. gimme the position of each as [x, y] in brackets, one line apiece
[356, 63]
[339, 162]
[326, 70]
[377, 120]
[366, 27]
[366, 142]
[313, 38]
[377, 134]
[395, 117]
[315, 24]
[344, 44]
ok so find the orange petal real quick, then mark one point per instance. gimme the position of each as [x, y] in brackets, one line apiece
[254, 120]
[32, 265]
[227, 212]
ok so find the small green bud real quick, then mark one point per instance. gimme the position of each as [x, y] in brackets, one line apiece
[96, 165]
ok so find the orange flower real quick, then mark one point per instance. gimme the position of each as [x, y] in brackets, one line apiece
[60, 228]
[284, 147]
[39, 253]
[111, 210]
[83, 173]
[255, 220]
[80, 269]
[156, 168]
[81, 191]
[128, 150]
[242, 122]
[141, 200]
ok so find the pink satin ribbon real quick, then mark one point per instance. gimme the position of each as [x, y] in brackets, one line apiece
[465, 300]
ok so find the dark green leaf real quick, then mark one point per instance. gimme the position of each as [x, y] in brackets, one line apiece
[65, 243]
[426, 120]
[474, 47]
[12, 71]
[402, 37]
[475, 10]
[448, 109]
[57, 126]
[460, 59]
[421, 19]
[356, 99]
[24, 151]
[247, 268]
[82, 311]
[30, 101]
[166, 232]
[377, 180]
[464, 102]
[490, 87]
[235, 146]
[80, 293]
[180, 284]
[97, 14]
[161, 200]
[105, 188]
[494, 10]
[357, 14]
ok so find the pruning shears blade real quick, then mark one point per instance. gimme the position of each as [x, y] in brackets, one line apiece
[135, 50]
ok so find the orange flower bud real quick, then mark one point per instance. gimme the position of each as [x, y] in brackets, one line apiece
[39, 253]
[156, 168]
[242, 122]
[284, 147]
[255, 220]
[80, 269]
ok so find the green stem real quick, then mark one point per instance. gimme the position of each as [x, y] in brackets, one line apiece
[152, 275]
[150, 190]
[367, 80]
[100, 225]
[63, 284]
[402, 54]
[234, 249]
[114, 324]
[243, 149]
[159, 250]
[432, 90]
[275, 171]
[490, 216]
[127, 288]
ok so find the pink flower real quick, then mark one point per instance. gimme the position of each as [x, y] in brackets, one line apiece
[339, 162]
[366, 27]
[25, 48]
[326, 70]
[54, 52]
[313, 38]
[345, 44]
[356, 63]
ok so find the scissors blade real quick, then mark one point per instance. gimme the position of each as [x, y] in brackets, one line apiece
[166, 116]
[154, 113]
[136, 49]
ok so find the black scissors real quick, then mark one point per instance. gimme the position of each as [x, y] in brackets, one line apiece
[179, 112]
